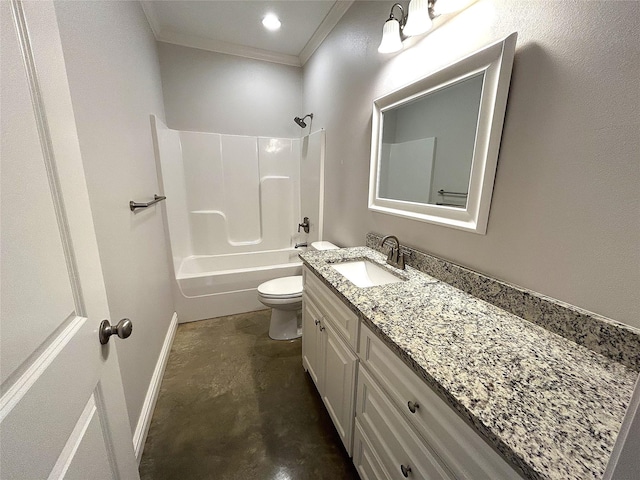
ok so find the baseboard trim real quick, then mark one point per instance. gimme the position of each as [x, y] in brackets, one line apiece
[142, 429]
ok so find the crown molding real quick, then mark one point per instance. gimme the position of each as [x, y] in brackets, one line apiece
[166, 35]
[202, 43]
[338, 9]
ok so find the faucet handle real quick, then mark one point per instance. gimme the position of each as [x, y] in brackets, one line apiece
[304, 225]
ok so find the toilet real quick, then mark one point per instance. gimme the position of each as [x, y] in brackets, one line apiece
[284, 297]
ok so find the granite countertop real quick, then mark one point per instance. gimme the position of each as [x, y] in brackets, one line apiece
[551, 407]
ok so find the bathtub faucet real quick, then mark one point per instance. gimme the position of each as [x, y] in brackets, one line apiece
[298, 245]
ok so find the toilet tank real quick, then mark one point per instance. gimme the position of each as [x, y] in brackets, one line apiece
[322, 245]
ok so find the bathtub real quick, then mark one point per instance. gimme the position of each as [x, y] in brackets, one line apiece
[210, 286]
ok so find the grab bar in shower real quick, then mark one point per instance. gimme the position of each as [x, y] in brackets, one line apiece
[444, 192]
[156, 198]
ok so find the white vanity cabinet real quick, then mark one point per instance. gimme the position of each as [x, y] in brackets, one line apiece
[393, 423]
[329, 338]
[408, 426]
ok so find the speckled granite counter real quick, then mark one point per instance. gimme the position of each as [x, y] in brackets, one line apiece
[551, 407]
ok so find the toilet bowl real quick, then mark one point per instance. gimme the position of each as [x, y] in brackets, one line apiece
[284, 297]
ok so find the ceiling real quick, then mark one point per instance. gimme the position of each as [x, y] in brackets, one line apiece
[235, 27]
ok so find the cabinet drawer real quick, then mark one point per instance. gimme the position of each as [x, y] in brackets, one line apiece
[391, 437]
[365, 458]
[343, 320]
[464, 451]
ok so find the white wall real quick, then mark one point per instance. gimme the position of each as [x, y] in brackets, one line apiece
[564, 218]
[114, 78]
[214, 92]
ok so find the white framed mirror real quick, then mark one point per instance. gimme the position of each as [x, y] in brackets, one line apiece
[435, 142]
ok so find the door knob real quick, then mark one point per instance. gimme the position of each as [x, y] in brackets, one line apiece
[123, 329]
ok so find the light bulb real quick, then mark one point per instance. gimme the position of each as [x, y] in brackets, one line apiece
[271, 22]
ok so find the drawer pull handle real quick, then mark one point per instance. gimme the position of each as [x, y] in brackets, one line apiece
[412, 407]
[321, 328]
[405, 470]
[317, 322]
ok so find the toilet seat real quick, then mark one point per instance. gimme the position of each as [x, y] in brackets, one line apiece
[282, 288]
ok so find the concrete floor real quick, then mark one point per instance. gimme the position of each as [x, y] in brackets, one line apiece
[235, 404]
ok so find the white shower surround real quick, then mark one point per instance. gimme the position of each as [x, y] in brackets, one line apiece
[232, 209]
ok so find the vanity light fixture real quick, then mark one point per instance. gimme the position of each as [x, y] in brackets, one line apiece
[416, 21]
[392, 35]
[271, 22]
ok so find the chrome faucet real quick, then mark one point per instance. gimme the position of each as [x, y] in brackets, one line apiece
[395, 258]
[298, 245]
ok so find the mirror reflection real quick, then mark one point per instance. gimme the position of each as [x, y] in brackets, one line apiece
[435, 141]
[427, 145]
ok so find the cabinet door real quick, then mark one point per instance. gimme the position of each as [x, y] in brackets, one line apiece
[339, 384]
[312, 343]
[343, 320]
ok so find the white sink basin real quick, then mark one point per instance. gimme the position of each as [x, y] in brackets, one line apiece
[364, 273]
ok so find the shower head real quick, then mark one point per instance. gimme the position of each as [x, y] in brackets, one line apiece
[301, 122]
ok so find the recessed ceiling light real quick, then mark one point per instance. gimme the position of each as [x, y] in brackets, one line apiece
[271, 22]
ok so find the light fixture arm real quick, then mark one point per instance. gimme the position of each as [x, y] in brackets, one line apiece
[403, 16]
[415, 20]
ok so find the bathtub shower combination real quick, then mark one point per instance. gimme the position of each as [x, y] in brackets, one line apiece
[232, 213]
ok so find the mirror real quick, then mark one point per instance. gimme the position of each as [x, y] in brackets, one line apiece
[435, 142]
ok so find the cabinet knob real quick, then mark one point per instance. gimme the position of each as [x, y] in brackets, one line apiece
[321, 328]
[412, 407]
[405, 470]
[317, 322]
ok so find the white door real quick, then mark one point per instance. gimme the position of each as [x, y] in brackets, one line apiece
[62, 410]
